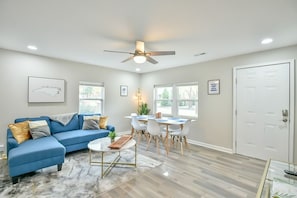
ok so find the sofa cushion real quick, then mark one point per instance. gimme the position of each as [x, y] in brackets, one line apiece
[20, 131]
[79, 136]
[90, 125]
[39, 129]
[57, 127]
[34, 150]
[91, 122]
[103, 122]
[81, 118]
[33, 119]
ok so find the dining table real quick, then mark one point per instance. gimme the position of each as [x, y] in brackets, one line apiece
[166, 121]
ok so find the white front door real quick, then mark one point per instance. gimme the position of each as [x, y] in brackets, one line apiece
[262, 96]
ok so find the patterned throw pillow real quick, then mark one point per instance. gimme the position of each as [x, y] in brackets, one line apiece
[103, 122]
[39, 129]
[90, 125]
[20, 131]
[91, 122]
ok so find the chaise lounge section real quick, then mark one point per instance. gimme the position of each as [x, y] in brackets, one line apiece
[48, 150]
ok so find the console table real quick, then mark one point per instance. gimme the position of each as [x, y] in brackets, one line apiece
[275, 182]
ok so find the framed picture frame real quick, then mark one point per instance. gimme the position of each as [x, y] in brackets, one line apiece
[214, 87]
[45, 89]
[123, 90]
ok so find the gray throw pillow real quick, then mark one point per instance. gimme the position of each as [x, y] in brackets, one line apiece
[39, 129]
[90, 125]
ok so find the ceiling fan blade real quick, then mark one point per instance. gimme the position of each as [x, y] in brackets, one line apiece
[151, 60]
[118, 52]
[131, 57]
[161, 53]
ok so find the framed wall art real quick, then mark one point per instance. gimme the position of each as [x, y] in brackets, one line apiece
[214, 87]
[45, 89]
[124, 90]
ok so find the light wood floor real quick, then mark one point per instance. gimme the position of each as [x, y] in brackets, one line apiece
[200, 172]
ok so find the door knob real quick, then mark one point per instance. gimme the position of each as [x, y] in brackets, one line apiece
[285, 114]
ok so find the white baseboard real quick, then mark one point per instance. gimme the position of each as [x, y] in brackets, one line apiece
[210, 146]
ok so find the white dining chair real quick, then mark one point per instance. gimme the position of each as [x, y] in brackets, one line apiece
[180, 135]
[139, 128]
[155, 131]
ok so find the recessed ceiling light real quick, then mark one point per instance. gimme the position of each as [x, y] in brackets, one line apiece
[266, 41]
[32, 47]
[137, 69]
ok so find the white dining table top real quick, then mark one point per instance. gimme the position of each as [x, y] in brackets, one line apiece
[162, 120]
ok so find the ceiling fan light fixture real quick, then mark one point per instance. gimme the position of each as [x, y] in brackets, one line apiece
[139, 59]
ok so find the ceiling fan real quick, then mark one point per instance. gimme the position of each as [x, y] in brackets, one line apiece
[140, 56]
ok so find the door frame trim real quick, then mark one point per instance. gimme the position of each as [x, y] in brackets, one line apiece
[291, 102]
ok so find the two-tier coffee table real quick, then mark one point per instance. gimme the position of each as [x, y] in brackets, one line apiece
[101, 145]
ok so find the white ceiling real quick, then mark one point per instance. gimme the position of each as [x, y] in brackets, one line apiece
[80, 30]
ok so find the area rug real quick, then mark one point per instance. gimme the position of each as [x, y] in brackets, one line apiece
[77, 177]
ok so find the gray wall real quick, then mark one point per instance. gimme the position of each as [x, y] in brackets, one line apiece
[15, 68]
[213, 127]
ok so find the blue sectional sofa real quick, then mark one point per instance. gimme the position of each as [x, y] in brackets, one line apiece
[35, 154]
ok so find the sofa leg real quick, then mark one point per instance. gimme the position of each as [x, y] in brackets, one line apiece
[14, 180]
[59, 167]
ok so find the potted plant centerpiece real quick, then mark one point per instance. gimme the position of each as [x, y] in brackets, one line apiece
[143, 109]
[112, 135]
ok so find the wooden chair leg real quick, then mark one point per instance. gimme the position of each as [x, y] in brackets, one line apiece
[168, 144]
[139, 136]
[181, 147]
[186, 142]
[158, 145]
[148, 143]
[147, 135]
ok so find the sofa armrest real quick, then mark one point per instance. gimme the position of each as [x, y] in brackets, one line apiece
[110, 127]
[11, 141]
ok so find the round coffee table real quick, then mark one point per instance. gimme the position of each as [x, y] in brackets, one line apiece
[101, 145]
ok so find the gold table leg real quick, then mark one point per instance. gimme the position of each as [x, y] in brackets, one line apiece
[113, 163]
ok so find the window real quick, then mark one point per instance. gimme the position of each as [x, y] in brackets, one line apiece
[163, 101]
[91, 97]
[177, 99]
[187, 100]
